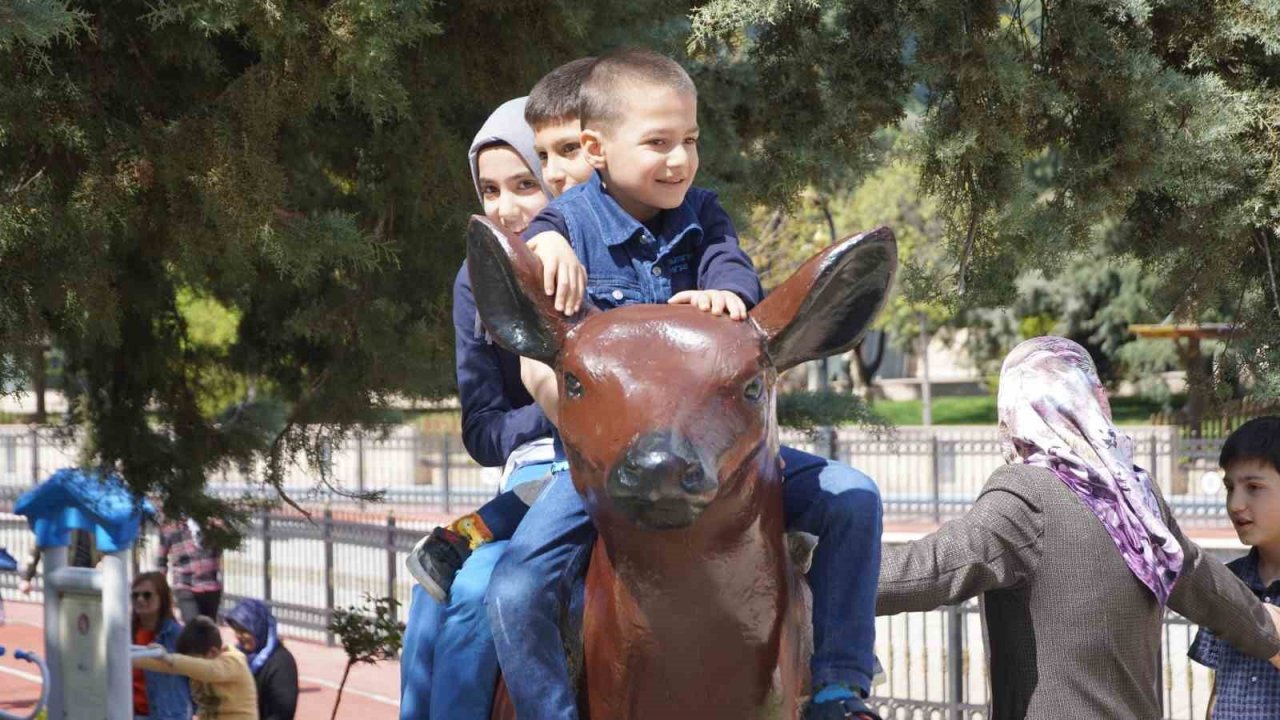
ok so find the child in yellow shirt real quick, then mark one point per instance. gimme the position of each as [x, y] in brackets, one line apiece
[221, 683]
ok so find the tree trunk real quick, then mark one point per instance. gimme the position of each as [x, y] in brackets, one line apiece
[38, 382]
[338, 701]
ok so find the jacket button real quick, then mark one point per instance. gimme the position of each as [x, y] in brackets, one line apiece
[657, 271]
[617, 294]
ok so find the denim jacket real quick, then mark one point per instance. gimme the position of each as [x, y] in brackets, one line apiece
[691, 247]
[169, 696]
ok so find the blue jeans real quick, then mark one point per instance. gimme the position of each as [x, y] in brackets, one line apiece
[449, 668]
[835, 502]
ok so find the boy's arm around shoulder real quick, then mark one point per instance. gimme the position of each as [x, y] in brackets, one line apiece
[491, 427]
[722, 263]
[227, 667]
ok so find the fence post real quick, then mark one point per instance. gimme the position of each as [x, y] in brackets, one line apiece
[360, 468]
[444, 473]
[35, 455]
[955, 662]
[935, 469]
[391, 554]
[266, 557]
[327, 534]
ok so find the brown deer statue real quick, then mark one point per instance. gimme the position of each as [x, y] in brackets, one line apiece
[693, 608]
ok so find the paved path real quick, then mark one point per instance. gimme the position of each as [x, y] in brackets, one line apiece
[372, 692]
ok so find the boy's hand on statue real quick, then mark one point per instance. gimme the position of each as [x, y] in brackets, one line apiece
[716, 302]
[562, 273]
[24, 587]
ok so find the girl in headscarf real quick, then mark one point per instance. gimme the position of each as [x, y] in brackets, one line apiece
[449, 666]
[1074, 554]
[275, 672]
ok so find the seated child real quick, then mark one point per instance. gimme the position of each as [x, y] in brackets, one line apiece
[449, 666]
[1245, 688]
[221, 683]
[646, 235]
[492, 414]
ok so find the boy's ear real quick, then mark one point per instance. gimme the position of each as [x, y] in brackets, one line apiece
[828, 303]
[593, 145]
[506, 280]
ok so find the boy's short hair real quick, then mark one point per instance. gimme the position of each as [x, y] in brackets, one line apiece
[555, 98]
[1258, 439]
[598, 100]
[199, 637]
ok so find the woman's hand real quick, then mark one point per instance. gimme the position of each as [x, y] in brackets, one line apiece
[540, 381]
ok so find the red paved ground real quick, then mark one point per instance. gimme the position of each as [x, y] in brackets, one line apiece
[372, 692]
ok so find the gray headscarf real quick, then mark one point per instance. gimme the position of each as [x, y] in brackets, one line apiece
[506, 126]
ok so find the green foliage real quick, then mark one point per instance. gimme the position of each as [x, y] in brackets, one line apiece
[368, 633]
[981, 410]
[1040, 124]
[240, 222]
[807, 411]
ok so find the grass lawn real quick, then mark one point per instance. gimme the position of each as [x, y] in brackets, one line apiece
[981, 410]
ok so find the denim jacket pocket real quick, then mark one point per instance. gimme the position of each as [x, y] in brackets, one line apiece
[609, 293]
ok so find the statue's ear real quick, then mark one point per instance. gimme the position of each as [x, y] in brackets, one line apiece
[506, 279]
[828, 303]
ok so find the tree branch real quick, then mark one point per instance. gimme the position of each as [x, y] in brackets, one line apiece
[1263, 238]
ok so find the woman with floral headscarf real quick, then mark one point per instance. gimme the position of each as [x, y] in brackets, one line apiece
[275, 672]
[1075, 555]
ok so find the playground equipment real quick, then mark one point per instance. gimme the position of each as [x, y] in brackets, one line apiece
[34, 659]
[86, 610]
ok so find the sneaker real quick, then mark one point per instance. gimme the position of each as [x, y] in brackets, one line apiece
[435, 561]
[845, 707]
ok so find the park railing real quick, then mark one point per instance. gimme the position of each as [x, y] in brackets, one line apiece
[925, 474]
[304, 567]
[935, 662]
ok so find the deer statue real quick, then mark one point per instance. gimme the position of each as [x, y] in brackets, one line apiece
[693, 608]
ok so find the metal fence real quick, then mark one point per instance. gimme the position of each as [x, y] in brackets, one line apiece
[306, 568]
[935, 667]
[935, 662]
[924, 474]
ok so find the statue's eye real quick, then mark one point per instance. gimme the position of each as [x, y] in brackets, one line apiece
[572, 385]
[754, 391]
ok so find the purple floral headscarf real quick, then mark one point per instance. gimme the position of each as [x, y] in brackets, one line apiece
[1054, 414]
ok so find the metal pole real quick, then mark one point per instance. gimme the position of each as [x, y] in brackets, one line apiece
[935, 469]
[955, 662]
[327, 534]
[391, 554]
[266, 557]
[360, 468]
[926, 386]
[115, 616]
[444, 473]
[55, 558]
[35, 458]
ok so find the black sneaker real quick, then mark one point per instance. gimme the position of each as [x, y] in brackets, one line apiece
[435, 561]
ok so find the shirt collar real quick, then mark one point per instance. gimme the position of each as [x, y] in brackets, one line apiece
[1250, 575]
[619, 226]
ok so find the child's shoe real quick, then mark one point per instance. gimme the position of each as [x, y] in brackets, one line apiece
[837, 701]
[435, 561]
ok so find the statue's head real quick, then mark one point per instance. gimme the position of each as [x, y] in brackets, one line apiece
[664, 408]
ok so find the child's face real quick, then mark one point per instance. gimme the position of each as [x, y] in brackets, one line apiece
[511, 193]
[559, 148]
[1253, 501]
[650, 156]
